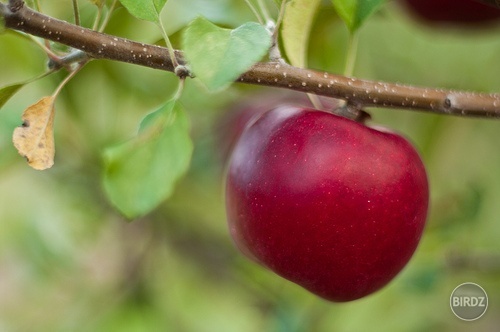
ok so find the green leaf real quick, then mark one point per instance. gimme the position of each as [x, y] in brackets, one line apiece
[355, 12]
[8, 91]
[219, 56]
[148, 10]
[297, 23]
[141, 173]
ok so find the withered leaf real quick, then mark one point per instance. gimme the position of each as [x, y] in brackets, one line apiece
[34, 139]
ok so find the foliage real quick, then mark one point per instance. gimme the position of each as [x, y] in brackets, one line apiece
[8, 91]
[297, 26]
[34, 139]
[141, 173]
[355, 12]
[148, 10]
[219, 56]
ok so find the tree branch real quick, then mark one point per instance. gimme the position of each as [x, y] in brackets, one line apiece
[357, 92]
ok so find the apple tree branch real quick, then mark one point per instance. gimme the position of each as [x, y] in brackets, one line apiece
[358, 93]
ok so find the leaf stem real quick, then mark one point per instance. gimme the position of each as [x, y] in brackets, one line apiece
[255, 12]
[108, 16]
[37, 6]
[97, 18]
[44, 47]
[67, 79]
[263, 10]
[169, 44]
[76, 12]
[180, 89]
[33, 79]
[281, 15]
[39, 77]
[352, 52]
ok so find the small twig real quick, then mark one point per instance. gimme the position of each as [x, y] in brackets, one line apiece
[16, 5]
[69, 60]
[359, 93]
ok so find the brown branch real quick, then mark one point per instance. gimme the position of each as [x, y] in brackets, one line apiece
[378, 94]
[359, 93]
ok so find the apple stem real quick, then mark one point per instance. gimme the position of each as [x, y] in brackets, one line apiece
[315, 101]
[353, 112]
[359, 92]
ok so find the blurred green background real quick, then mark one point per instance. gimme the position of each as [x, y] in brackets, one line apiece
[70, 262]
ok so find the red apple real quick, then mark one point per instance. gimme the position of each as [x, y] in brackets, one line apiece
[326, 202]
[453, 11]
[233, 121]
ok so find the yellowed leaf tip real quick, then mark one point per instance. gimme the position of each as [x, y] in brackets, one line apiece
[34, 139]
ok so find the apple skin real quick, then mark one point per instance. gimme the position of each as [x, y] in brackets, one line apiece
[233, 121]
[461, 12]
[328, 203]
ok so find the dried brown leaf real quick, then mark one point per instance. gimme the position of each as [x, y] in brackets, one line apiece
[34, 139]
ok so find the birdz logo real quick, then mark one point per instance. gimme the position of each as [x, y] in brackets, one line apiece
[468, 301]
